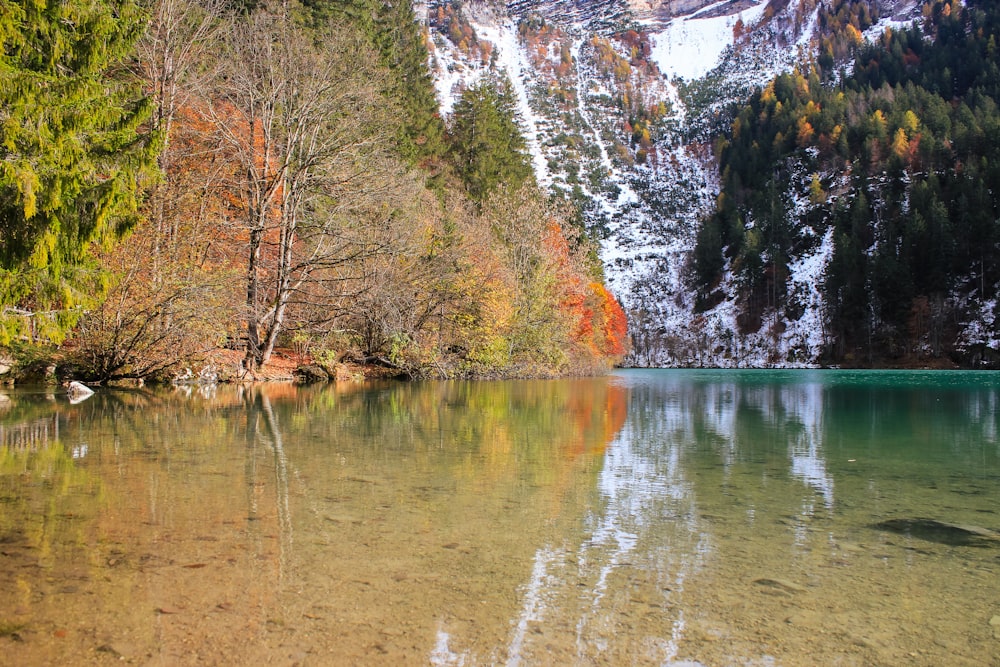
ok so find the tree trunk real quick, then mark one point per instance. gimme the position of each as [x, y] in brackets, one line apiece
[283, 288]
[253, 358]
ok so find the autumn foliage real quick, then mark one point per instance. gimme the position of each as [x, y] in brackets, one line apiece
[612, 334]
[534, 310]
[309, 197]
[598, 325]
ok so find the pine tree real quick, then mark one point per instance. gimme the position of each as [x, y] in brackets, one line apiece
[487, 141]
[72, 154]
[400, 43]
[708, 261]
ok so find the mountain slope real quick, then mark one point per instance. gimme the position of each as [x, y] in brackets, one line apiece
[623, 105]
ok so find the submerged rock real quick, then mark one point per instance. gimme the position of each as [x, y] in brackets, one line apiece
[779, 585]
[207, 376]
[942, 532]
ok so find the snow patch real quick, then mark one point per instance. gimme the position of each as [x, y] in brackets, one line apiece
[902, 19]
[691, 46]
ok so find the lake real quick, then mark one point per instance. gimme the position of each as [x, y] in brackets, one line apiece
[648, 517]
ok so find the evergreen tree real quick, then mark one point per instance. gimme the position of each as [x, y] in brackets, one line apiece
[708, 261]
[487, 141]
[359, 14]
[400, 43]
[846, 280]
[72, 155]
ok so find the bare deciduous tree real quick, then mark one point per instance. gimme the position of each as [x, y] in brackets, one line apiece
[304, 120]
[175, 59]
[165, 276]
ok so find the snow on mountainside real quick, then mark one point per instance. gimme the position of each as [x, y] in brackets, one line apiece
[619, 101]
[689, 47]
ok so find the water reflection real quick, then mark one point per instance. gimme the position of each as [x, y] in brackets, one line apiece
[30, 435]
[700, 448]
[646, 533]
[647, 518]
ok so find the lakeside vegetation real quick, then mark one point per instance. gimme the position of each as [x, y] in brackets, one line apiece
[180, 176]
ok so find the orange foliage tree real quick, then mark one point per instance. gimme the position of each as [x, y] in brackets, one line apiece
[563, 318]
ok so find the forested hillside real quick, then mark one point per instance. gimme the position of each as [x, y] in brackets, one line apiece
[894, 157]
[184, 175]
[762, 183]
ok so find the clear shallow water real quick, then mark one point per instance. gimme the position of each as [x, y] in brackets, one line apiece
[685, 517]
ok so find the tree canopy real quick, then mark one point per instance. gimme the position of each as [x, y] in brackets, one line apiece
[488, 144]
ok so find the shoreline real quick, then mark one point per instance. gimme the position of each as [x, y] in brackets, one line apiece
[224, 366]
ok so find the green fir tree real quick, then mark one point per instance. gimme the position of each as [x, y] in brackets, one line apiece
[73, 156]
[488, 145]
[400, 41]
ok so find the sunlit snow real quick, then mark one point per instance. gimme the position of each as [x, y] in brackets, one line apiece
[691, 46]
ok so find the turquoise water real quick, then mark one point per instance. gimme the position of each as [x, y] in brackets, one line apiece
[650, 517]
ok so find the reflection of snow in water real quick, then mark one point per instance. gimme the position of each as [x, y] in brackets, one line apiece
[643, 486]
[642, 490]
[794, 410]
[647, 524]
[534, 603]
[442, 655]
[809, 466]
[984, 411]
[804, 404]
